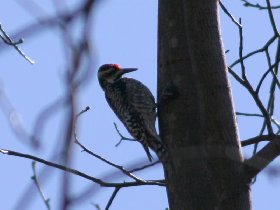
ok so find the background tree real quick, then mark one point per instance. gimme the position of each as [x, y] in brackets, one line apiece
[50, 98]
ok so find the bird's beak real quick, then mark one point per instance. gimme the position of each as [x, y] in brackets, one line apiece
[127, 70]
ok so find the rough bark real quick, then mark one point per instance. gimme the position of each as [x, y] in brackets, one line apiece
[198, 125]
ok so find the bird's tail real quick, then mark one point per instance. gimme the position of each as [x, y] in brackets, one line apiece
[146, 148]
[160, 149]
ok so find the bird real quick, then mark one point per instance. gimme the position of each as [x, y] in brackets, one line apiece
[134, 105]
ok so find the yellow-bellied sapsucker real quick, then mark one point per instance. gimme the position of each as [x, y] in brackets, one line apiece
[134, 105]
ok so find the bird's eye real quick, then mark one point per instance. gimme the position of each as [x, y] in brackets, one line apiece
[110, 72]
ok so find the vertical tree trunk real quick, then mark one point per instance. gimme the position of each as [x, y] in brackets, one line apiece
[199, 125]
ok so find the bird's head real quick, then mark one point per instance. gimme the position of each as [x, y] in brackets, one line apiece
[110, 73]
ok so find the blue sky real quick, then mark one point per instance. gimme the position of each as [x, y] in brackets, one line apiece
[123, 32]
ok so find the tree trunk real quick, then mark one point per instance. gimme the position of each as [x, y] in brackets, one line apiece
[198, 126]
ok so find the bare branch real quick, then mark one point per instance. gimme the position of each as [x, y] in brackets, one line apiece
[266, 45]
[15, 120]
[96, 206]
[122, 137]
[248, 114]
[112, 198]
[55, 165]
[261, 159]
[275, 122]
[275, 81]
[91, 191]
[255, 96]
[82, 112]
[258, 6]
[236, 76]
[258, 139]
[241, 51]
[271, 17]
[81, 174]
[144, 167]
[6, 38]
[121, 168]
[32, 8]
[244, 82]
[229, 14]
[266, 73]
[35, 178]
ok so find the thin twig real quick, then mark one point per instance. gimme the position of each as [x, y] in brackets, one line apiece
[248, 114]
[6, 38]
[275, 81]
[36, 181]
[121, 168]
[270, 104]
[236, 76]
[82, 112]
[255, 96]
[144, 167]
[97, 206]
[271, 17]
[249, 87]
[267, 117]
[271, 67]
[121, 136]
[258, 115]
[112, 198]
[258, 6]
[241, 51]
[260, 50]
[244, 82]
[229, 14]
